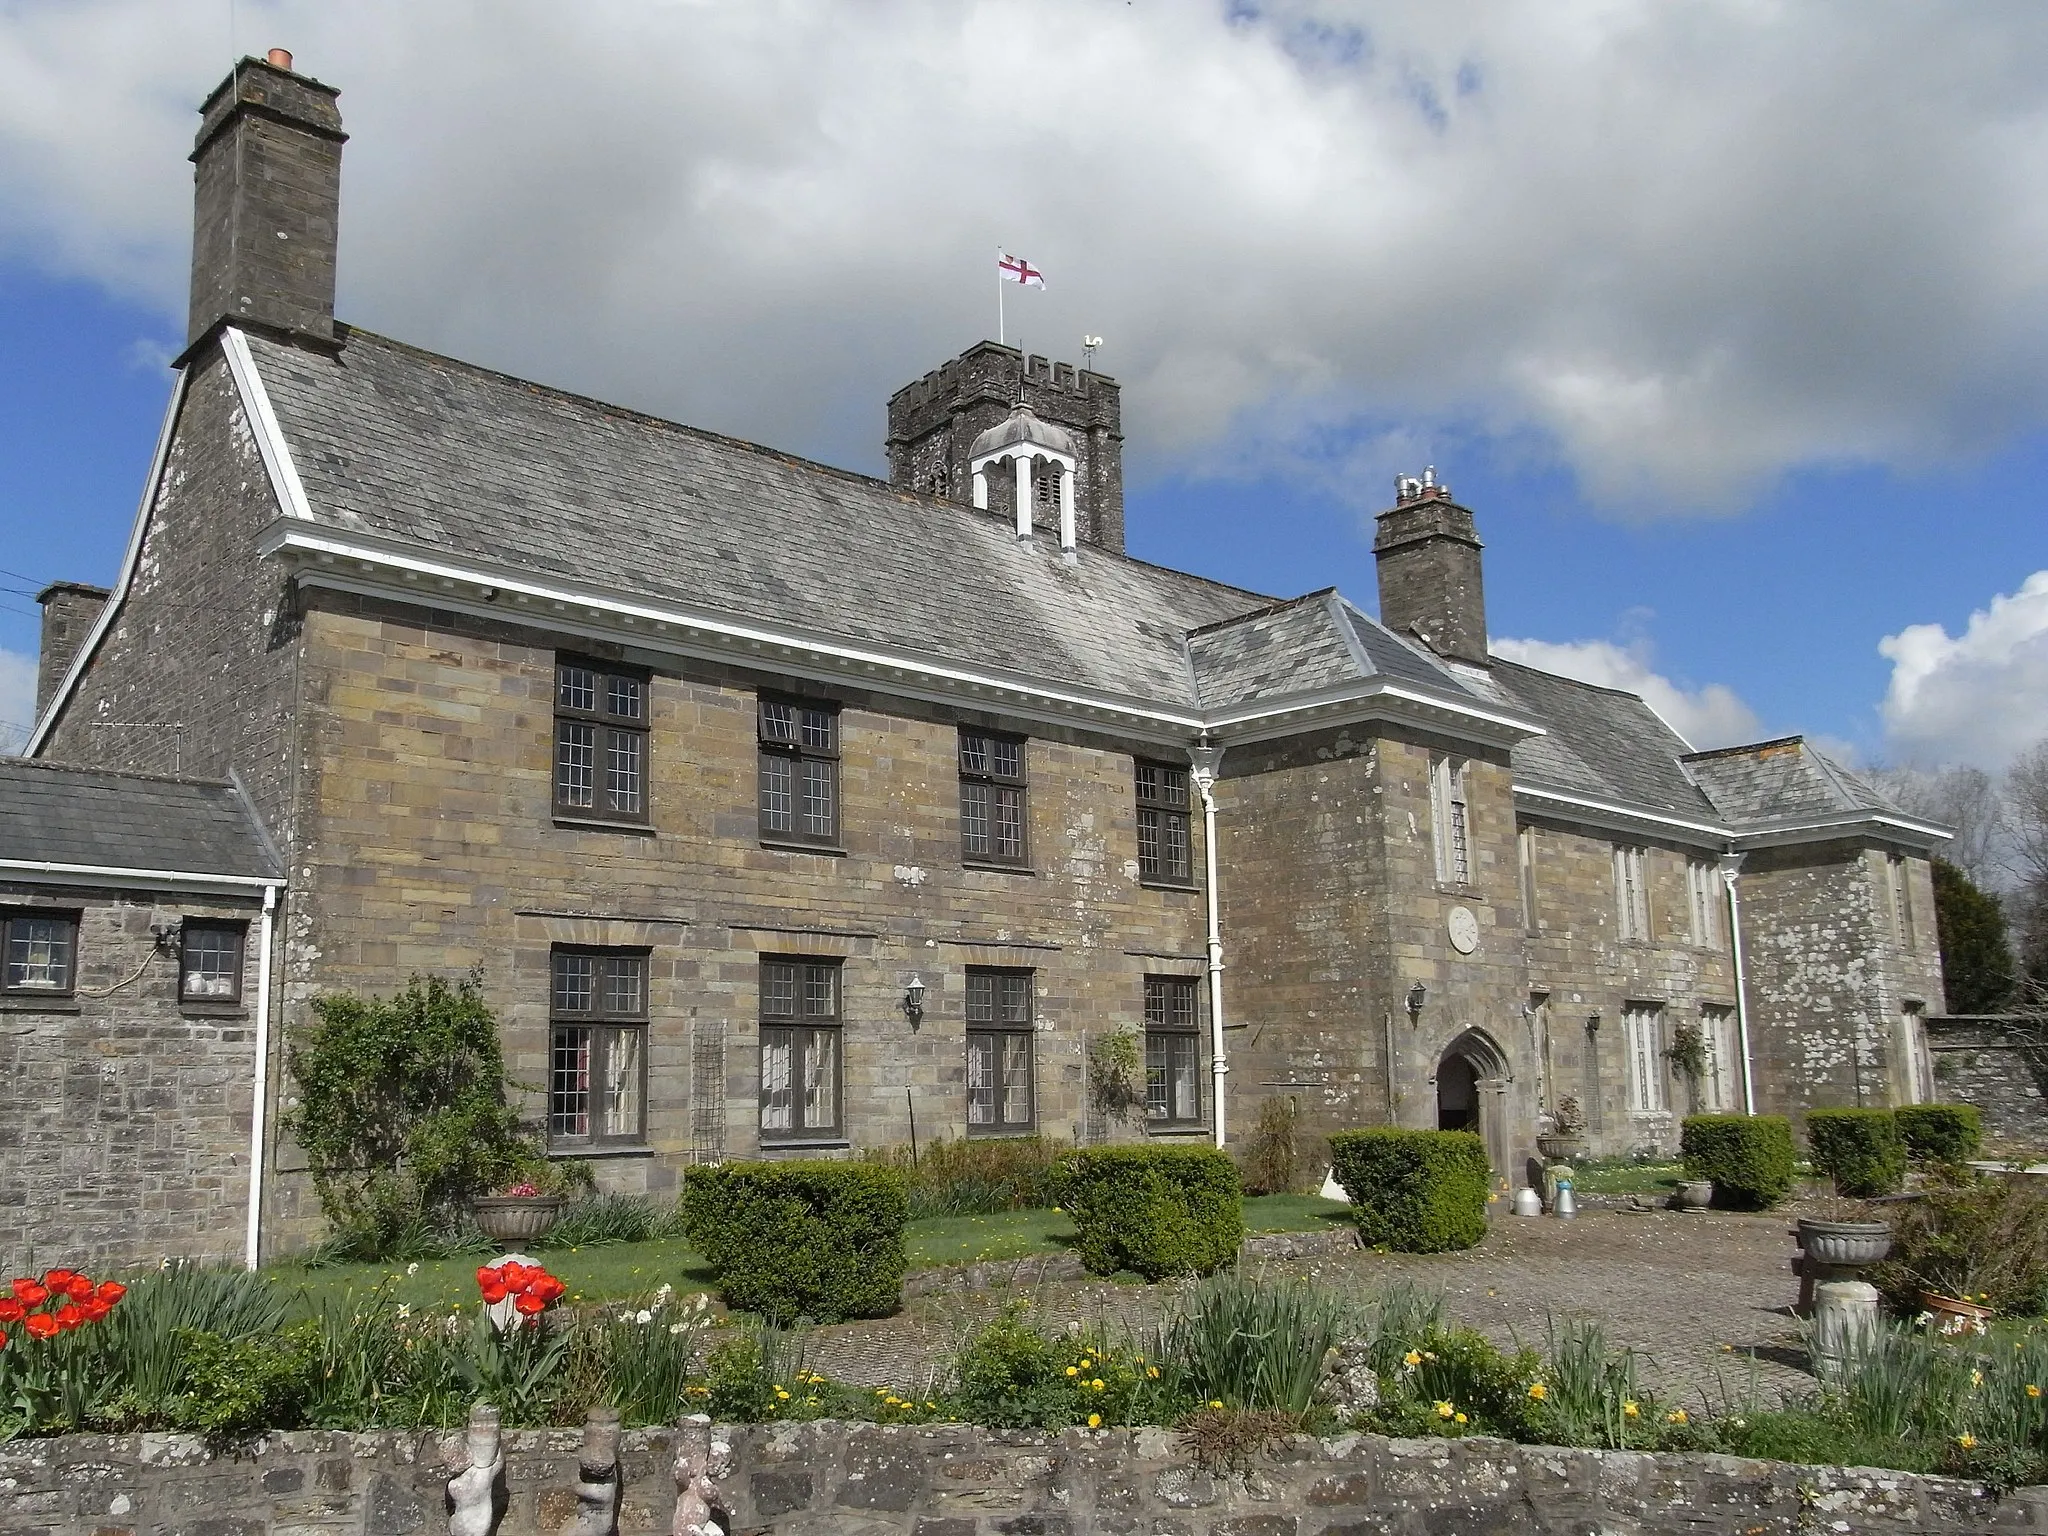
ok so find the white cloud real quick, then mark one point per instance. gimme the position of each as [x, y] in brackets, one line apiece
[17, 699]
[1712, 716]
[1688, 246]
[1980, 697]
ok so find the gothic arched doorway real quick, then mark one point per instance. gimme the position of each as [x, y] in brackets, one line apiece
[1471, 1093]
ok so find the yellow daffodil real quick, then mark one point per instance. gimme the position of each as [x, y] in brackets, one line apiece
[1459, 1417]
[1152, 1372]
[1967, 1441]
[1976, 1378]
[1096, 1384]
[1095, 1421]
[1411, 1358]
[1073, 1370]
[1675, 1416]
[2032, 1390]
[1629, 1410]
[781, 1396]
[1444, 1410]
[1538, 1391]
[1215, 1402]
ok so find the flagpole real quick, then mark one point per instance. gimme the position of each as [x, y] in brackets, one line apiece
[1001, 338]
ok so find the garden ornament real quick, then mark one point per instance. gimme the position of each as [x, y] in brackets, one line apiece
[1845, 1319]
[472, 1492]
[701, 1462]
[597, 1476]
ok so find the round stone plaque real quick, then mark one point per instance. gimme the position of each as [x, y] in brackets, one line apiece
[1464, 930]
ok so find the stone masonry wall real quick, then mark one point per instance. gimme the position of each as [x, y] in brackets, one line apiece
[126, 1134]
[206, 638]
[1982, 1061]
[430, 847]
[1828, 979]
[1580, 967]
[830, 1479]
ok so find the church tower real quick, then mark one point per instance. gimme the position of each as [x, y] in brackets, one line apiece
[960, 424]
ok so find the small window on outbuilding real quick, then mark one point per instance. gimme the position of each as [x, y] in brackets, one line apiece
[41, 953]
[210, 962]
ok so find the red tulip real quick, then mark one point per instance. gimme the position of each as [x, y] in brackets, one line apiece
[29, 1294]
[11, 1311]
[547, 1288]
[58, 1279]
[515, 1275]
[486, 1273]
[111, 1291]
[79, 1288]
[94, 1309]
[40, 1325]
[529, 1304]
[69, 1317]
[3, 1338]
[494, 1292]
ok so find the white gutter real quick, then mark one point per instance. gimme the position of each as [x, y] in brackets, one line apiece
[259, 1088]
[1207, 760]
[112, 607]
[1625, 814]
[47, 872]
[1848, 821]
[1731, 869]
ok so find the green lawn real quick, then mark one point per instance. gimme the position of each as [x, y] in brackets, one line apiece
[618, 1270]
[1625, 1176]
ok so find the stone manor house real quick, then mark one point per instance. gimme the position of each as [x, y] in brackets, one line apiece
[782, 808]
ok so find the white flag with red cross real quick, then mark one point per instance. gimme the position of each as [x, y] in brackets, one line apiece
[1015, 269]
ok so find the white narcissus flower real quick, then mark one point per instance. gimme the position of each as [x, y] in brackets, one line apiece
[643, 1317]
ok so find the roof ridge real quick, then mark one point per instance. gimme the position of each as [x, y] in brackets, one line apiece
[44, 765]
[1260, 613]
[345, 331]
[1494, 659]
[1797, 738]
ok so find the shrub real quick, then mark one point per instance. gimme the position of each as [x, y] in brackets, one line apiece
[1859, 1149]
[815, 1239]
[1970, 1234]
[976, 1176]
[1749, 1157]
[1414, 1191]
[1269, 1159]
[403, 1114]
[1453, 1382]
[1012, 1376]
[144, 1349]
[1940, 1133]
[1255, 1343]
[236, 1388]
[1156, 1210]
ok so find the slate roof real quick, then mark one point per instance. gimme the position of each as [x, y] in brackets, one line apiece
[62, 815]
[1602, 743]
[1782, 780]
[409, 445]
[1304, 646]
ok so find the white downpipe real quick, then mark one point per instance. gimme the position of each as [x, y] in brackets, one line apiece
[259, 1089]
[1731, 868]
[1207, 760]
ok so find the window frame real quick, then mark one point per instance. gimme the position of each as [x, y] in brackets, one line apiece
[796, 1023]
[996, 785]
[1525, 853]
[1718, 1027]
[607, 728]
[795, 752]
[1632, 891]
[1902, 902]
[211, 925]
[605, 1024]
[999, 1030]
[1702, 882]
[1165, 816]
[1643, 1035]
[69, 919]
[1162, 1024]
[1450, 818]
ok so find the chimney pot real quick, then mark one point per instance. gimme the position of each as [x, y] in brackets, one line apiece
[281, 57]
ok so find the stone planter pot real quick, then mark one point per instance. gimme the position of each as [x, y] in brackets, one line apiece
[1694, 1195]
[1561, 1149]
[1844, 1244]
[515, 1218]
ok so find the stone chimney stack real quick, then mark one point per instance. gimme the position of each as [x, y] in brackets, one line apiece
[69, 608]
[268, 195]
[1430, 583]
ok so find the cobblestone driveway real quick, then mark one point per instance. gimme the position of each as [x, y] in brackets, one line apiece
[1701, 1296]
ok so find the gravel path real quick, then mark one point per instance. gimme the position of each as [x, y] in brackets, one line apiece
[1705, 1298]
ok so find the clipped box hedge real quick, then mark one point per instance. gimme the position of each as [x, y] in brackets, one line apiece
[811, 1238]
[1157, 1210]
[1861, 1150]
[1749, 1157]
[1414, 1191]
[1940, 1133]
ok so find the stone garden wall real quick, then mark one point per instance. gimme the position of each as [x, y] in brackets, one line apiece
[1979, 1060]
[953, 1480]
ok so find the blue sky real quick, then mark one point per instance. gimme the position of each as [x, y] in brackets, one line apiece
[1731, 325]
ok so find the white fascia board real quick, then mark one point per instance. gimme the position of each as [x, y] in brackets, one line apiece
[42, 871]
[277, 456]
[1613, 814]
[322, 552]
[111, 609]
[1898, 828]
